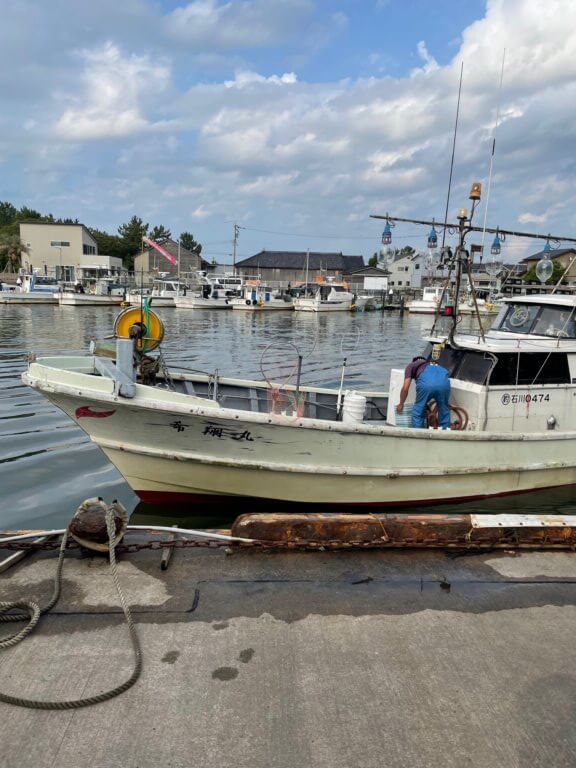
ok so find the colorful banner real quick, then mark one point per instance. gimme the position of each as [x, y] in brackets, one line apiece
[161, 250]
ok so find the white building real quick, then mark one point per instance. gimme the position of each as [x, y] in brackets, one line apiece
[65, 251]
[413, 271]
[406, 271]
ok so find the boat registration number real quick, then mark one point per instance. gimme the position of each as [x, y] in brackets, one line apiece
[508, 398]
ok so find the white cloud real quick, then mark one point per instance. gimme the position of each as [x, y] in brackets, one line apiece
[244, 79]
[201, 212]
[430, 63]
[292, 152]
[112, 90]
[528, 218]
[243, 23]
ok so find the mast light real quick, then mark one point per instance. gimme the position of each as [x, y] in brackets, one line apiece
[387, 234]
[433, 238]
[496, 245]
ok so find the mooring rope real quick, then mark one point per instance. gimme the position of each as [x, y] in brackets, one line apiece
[33, 613]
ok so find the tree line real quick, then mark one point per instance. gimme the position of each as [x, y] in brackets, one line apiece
[125, 244]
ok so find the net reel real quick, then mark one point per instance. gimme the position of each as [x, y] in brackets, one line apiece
[141, 325]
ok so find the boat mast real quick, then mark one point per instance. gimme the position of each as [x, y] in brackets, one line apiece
[234, 245]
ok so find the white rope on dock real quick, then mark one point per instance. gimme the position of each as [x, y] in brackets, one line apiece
[166, 528]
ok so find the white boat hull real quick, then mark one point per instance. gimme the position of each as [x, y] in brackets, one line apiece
[422, 308]
[310, 305]
[155, 301]
[269, 306]
[197, 302]
[174, 447]
[27, 298]
[70, 299]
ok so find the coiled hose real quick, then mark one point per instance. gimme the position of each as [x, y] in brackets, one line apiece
[33, 612]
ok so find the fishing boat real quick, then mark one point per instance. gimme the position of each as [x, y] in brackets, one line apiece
[210, 292]
[163, 293]
[34, 289]
[484, 307]
[189, 437]
[103, 292]
[180, 437]
[328, 296]
[255, 297]
[429, 302]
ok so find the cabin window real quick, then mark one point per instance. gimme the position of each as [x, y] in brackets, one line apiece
[519, 318]
[449, 358]
[475, 367]
[531, 368]
[556, 322]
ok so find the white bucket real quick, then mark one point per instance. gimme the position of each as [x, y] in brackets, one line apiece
[354, 407]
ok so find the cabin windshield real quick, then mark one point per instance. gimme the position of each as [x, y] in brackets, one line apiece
[557, 322]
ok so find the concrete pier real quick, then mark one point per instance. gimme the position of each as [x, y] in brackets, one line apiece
[319, 660]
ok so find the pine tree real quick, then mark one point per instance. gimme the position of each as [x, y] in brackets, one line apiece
[187, 241]
[131, 234]
[160, 233]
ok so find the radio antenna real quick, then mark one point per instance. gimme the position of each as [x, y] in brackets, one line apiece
[453, 152]
[493, 151]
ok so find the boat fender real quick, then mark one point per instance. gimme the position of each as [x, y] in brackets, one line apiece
[247, 302]
[254, 302]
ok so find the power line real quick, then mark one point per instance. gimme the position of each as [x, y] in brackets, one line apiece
[298, 234]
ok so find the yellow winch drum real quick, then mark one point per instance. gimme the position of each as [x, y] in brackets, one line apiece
[154, 327]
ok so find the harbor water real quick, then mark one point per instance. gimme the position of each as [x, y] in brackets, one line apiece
[48, 465]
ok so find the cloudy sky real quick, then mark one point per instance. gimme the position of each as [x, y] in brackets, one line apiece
[296, 118]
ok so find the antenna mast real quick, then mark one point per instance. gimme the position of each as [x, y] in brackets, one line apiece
[493, 150]
[453, 152]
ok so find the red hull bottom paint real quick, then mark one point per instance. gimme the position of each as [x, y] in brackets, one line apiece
[215, 500]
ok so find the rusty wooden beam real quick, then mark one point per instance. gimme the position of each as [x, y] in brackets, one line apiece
[404, 530]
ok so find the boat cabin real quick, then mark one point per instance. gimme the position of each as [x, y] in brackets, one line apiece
[522, 376]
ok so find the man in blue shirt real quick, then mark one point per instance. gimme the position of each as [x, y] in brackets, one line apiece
[432, 383]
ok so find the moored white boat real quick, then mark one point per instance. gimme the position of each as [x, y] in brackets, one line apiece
[34, 289]
[193, 436]
[210, 292]
[329, 296]
[104, 292]
[429, 302]
[483, 307]
[255, 297]
[162, 294]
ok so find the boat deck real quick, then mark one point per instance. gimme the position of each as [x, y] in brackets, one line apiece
[323, 660]
[317, 405]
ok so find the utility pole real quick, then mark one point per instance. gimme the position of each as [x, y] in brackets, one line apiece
[234, 244]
